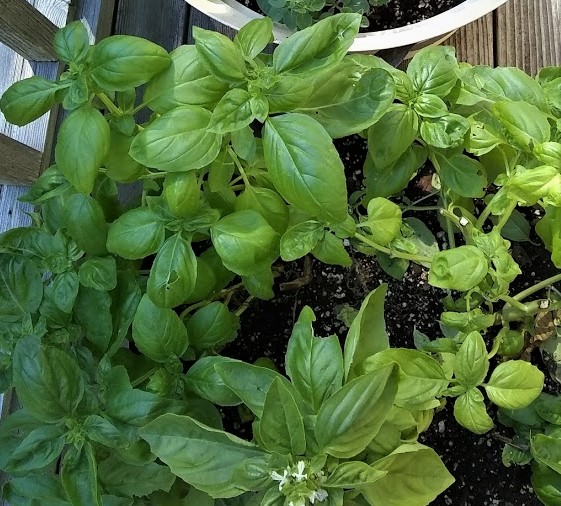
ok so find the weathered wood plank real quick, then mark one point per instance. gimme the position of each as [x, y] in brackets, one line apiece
[474, 43]
[20, 163]
[528, 35]
[161, 22]
[26, 30]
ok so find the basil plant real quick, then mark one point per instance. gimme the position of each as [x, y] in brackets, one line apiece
[331, 433]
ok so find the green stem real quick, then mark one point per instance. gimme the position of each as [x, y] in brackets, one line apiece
[418, 201]
[111, 107]
[143, 378]
[514, 303]
[421, 208]
[153, 175]
[239, 166]
[537, 287]
[392, 253]
[244, 306]
[505, 217]
[139, 108]
[193, 307]
[495, 348]
[511, 314]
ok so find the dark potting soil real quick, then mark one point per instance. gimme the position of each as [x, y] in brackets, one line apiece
[475, 461]
[396, 13]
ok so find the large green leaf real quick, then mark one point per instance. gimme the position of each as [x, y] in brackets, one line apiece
[281, 428]
[28, 99]
[245, 242]
[174, 273]
[49, 383]
[83, 143]
[314, 364]
[367, 335]
[157, 332]
[185, 82]
[204, 457]
[349, 420]
[315, 47]
[415, 477]
[21, 286]
[121, 62]
[85, 221]
[305, 166]
[179, 140]
[371, 98]
[136, 234]
[79, 476]
[514, 384]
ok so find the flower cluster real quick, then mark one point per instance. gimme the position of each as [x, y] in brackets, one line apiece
[300, 485]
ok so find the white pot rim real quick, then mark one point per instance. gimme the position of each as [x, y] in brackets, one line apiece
[232, 13]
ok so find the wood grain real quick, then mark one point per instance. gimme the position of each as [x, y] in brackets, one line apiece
[528, 34]
[20, 163]
[162, 22]
[26, 30]
[197, 18]
[474, 43]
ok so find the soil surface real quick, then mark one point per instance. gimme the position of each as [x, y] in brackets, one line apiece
[475, 461]
[396, 13]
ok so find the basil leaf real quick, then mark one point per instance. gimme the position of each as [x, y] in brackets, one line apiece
[49, 383]
[120, 62]
[268, 204]
[102, 431]
[37, 450]
[179, 140]
[119, 164]
[64, 290]
[173, 274]
[136, 234]
[281, 428]
[352, 475]
[79, 476]
[314, 364]
[526, 124]
[21, 286]
[463, 175]
[471, 364]
[158, 333]
[28, 99]
[384, 220]
[461, 268]
[318, 46]
[370, 99]
[220, 55]
[415, 475]
[434, 70]
[232, 113]
[386, 181]
[445, 132]
[421, 377]
[99, 273]
[391, 136]
[249, 382]
[367, 334]
[349, 420]
[72, 42]
[93, 314]
[305, 167]
[47, 488]
[203, 380]
[125, 299]
[546, 484]
[127, 480]
[331, 251]
[212, 326]
[546, 450]
[245, 242]
[204, 457]
[83, 143]
[514, 384]
[254, 36]
[300, 239]
[85, 221]
[548, 230]
[185, 82]
[470, 412]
